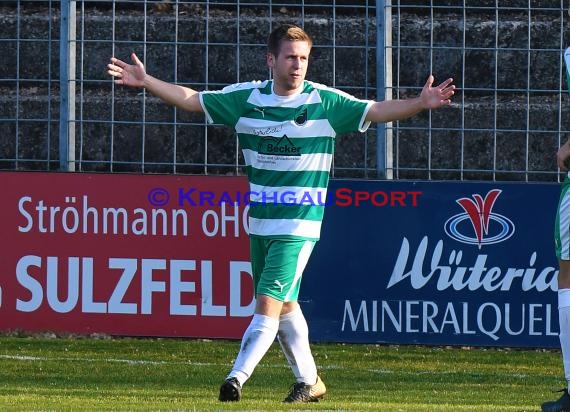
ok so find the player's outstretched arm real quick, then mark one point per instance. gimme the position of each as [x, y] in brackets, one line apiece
[563, 155]
[135, 75]
[431, 97]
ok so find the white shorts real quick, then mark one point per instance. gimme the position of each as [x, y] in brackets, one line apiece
[562, 224]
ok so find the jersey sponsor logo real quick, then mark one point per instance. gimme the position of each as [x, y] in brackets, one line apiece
[282, 146]
[267, 131]
[478, 224]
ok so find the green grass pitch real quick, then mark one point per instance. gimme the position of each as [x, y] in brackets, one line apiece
[75, 373]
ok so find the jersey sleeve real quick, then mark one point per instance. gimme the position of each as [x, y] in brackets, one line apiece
[225, 106]
[345, 112]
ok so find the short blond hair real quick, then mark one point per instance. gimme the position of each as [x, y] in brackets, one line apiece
[288, 32]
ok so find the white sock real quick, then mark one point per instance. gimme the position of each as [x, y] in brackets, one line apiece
[564, 318]
[293, 337]
[257, 339]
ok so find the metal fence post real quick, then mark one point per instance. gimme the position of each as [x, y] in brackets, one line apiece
[67, 46]
[383, 82]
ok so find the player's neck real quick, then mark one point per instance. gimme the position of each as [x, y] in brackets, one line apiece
[285, 92]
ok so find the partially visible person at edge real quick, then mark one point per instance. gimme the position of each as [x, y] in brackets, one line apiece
[562, 247]
[305, 116]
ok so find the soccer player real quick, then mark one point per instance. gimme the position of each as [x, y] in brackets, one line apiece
[562, 248]
[562, 244]
[286, 128]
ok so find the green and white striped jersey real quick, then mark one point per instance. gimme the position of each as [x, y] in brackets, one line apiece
[288, 145]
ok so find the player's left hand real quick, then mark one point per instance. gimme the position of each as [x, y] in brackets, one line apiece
[125, 74]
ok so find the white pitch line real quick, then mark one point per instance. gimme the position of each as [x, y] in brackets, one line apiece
[127, 361]
[134, 361]
[142, 362]
[207, 364]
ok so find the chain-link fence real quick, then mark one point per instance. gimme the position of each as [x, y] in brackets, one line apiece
[511, 112]
[506, 122]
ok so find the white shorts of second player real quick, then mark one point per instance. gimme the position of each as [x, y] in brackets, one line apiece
[562, 223]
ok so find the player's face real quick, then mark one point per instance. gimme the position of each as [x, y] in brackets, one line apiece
[289, 66]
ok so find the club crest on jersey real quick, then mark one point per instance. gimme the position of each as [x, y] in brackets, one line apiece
[282, 146]
[301, 116]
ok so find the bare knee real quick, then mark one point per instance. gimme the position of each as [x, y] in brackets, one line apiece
[268, 306]
[289, 307]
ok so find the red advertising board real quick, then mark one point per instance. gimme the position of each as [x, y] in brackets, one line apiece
[142, 255]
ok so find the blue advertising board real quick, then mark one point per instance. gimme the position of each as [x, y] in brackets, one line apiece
[437, 263]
